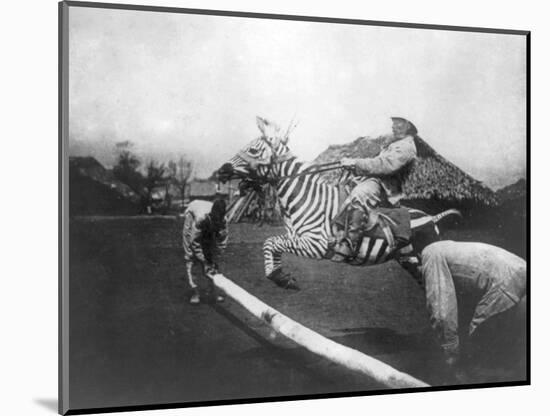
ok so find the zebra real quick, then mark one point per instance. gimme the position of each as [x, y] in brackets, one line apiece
[308, 206]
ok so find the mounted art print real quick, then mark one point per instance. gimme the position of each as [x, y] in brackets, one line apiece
[267, 207]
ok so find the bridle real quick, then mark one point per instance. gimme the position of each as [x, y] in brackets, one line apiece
[273, 159]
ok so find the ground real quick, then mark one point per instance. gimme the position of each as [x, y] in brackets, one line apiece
[134, 338]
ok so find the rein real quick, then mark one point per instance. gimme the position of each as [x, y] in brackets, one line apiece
[313, 169]
[310, 170]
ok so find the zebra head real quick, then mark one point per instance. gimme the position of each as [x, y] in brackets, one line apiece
[256, 159]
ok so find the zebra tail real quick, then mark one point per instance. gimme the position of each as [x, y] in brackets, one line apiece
[438, 217]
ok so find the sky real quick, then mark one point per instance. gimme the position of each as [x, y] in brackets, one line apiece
[176, 84]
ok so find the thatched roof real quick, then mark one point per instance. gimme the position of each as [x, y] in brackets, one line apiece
[431, 177]
[92, 169]
[94, 191]
[516, 190]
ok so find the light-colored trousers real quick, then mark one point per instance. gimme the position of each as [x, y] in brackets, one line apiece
[367, 194]
[494, 274]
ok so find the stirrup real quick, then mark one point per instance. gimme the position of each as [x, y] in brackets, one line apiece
[341, 251]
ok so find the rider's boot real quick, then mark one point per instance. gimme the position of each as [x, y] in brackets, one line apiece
[356, 229]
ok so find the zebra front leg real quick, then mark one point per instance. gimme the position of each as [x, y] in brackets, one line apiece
[195, 296]
[274, 247]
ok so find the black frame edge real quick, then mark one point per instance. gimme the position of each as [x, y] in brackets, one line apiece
[338, 395]
[528, 197]
[63, 299]
[319, 19]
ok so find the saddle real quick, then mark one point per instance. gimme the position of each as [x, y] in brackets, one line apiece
[382, 231]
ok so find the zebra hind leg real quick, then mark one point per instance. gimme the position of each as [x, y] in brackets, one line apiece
[272, 261]
[284, 280]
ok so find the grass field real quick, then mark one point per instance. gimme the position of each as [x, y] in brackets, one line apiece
[134, 338]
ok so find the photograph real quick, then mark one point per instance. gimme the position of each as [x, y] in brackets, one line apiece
[264, 207]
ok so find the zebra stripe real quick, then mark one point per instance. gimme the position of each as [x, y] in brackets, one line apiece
[375, 251]
[384, 253]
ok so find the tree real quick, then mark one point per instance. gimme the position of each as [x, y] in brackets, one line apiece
[154, 176]
[183, 174]
[127, 165]
[171, 173]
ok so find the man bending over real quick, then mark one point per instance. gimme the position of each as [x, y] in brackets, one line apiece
[204, 236]
[490, 275]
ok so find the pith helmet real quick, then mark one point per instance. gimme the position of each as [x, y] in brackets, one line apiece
[411, 129]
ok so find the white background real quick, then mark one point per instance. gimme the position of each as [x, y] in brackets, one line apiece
[28, 211]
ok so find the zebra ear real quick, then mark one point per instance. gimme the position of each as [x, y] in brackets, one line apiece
[291, 126]
[268, 128]
[261, 123]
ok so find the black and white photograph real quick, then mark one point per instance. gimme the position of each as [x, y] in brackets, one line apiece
[265, 208]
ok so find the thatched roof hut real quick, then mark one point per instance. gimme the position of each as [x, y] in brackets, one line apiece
[517, 190]
[94, 190]
[432, 177]
[92, 169]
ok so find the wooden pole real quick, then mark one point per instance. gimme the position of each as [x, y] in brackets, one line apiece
[316, 343]
[231, 212]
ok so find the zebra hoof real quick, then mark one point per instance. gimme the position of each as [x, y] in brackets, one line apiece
[292, 284]
[195, 299]
[283, 280]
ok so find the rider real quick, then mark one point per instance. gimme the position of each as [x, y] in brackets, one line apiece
[382, 183]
